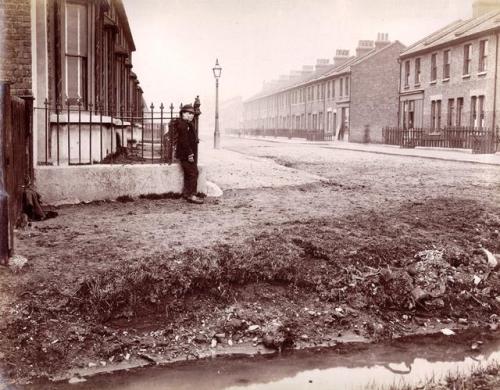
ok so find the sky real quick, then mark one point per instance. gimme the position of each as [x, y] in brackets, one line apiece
[177, 42]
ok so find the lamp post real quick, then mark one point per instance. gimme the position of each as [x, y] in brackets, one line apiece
[217, 71]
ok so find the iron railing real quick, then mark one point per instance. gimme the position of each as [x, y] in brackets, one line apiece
[480, 140]
[308, 134]
[72, 135]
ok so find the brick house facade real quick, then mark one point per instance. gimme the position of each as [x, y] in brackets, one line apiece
[321, 98]
[76, 53]
[450, 78]
[15, 49]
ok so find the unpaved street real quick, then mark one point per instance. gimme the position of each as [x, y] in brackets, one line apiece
[341, 251]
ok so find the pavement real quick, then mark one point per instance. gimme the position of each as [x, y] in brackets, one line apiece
[463, 155]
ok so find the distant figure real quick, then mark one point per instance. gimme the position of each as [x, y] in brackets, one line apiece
[366, 135]
[186, 150]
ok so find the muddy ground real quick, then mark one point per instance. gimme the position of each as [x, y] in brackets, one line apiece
[383, 246]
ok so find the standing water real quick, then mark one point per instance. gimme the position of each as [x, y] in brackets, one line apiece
[350, 367]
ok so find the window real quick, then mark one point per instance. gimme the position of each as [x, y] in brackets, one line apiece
[75, 52]
[460, 109]
[315, 121]
[446, 64]
[408, 114]
[347, 86]
[341, 87]
[433, 67]
[467, 59]
[320, 118]
[407, 74]
[318, 92]
[417, 71]
[483, 55]
[328, 91]
[333, 88]
[473, 111]
[436, 115]
[451, 112]
[481, 111]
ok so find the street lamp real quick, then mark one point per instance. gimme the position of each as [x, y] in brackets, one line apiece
[217, 71]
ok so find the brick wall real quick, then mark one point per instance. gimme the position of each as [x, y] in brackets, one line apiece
[15, 56]
[457, 85]
[374, 94]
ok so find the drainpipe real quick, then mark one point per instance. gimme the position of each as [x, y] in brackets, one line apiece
[493, 128]
[4, 197]
[399, 94]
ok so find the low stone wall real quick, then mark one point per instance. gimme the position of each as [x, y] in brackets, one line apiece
[74, 184]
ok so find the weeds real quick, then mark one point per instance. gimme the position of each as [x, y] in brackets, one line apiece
[480, 378]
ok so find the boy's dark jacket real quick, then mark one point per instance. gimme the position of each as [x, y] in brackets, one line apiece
[186, 140]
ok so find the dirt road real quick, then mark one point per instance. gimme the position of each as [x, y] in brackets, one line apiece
[346, 252]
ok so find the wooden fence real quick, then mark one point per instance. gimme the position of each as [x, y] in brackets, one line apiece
[308, 134]
[481, 140]
[16, 162]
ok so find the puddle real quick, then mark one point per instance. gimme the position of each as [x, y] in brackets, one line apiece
[351, 367]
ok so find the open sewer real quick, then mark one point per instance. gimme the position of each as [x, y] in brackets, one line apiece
[409, 361]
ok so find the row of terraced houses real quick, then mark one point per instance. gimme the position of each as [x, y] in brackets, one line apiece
[447, 80]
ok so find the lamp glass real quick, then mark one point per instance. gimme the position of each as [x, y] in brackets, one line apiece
[217, 72]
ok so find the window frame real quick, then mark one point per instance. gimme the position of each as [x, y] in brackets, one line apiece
[446, 64]
[433, 67]
[451, 112]
[483, 56]
[473, 111]
[407, 74]
[418, 71]
[460, 109]
[467, 60]
[85, 80]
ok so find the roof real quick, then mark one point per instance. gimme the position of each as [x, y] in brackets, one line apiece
[456, 31]
[120, 9]
[320, 74]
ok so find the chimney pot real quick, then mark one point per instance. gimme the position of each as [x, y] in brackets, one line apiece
[481, 7]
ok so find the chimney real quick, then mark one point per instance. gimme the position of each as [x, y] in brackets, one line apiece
[294, 74]
[306, 69]
[364, 47]
[322, 63]
[382, 41]
[341, 56]
[268, 85]
[481, 7]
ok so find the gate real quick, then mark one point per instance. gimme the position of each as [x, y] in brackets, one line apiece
[16, 162]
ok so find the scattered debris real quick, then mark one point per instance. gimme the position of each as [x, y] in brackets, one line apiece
[76, 379]
[17, 263]
[492, 261]
[447, 332]
[147, 357]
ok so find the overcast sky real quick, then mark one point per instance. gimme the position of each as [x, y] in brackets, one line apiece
[177, 41]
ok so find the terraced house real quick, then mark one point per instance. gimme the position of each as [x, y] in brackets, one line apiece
[70, 55]
[449, 79]
[351, 98]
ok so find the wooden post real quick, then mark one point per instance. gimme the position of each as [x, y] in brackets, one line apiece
[5, 122]
[197, 114]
